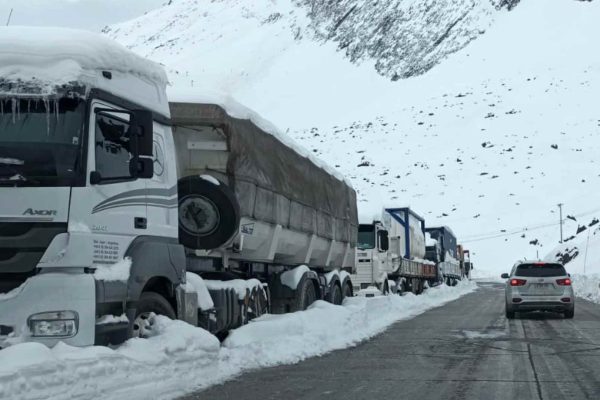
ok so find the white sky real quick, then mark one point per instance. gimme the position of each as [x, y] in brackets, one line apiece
[82, 14]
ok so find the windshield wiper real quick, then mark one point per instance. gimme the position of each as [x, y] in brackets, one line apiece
[18, 180]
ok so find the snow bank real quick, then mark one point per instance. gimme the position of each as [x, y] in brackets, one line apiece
[165, 364]
[118, 271]
[182, 358]
[587, 287]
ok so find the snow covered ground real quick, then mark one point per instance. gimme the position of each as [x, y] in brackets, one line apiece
[181, 358]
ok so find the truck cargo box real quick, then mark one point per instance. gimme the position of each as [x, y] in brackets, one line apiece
[275, 185]
[447, 242]
[407, 230]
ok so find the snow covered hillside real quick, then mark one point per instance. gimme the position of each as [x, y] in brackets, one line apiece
[182, 358]
[404, 38]
[487, 142]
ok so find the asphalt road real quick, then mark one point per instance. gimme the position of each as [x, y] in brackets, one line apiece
[466, 349]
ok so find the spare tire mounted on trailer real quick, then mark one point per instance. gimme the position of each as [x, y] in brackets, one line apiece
[209, 213]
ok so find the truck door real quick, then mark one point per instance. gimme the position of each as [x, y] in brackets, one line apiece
[113, 209]
[162, 188]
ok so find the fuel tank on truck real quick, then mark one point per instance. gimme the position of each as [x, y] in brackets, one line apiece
[406, 228]
[246, 189]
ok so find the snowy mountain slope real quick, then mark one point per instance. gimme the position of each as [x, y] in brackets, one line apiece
[488, 142]
[404, 38]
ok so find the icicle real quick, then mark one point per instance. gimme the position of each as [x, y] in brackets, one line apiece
[47, 107]
[14, 110]
[56, 110]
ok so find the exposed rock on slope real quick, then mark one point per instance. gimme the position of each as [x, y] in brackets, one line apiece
[404, 38]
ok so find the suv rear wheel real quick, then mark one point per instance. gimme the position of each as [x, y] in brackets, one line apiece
[570, 314]
[510, 314]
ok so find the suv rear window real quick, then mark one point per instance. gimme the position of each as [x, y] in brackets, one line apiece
[540, 270]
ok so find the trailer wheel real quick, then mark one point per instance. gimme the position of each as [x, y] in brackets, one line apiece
[149, 305]
[305, 294]
[258, 304]
[335, 294]
[385, 289]
[209, 214]
[346, 289]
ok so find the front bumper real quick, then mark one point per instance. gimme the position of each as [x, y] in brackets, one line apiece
[48, 292]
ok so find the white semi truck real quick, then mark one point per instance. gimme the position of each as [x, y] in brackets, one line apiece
[443, 250]
[116, 203]
[390, 254]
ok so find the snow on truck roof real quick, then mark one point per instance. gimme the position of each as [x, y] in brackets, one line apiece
[237, 110]
[47, 58]
[74, 50]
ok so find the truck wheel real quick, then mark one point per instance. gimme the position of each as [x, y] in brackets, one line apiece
[258, 304]
[305, 294]
[346, 289]
[335, 294]
[209, 214]
[510, 314]
[570, 314]
[383, 287]
[149, 305]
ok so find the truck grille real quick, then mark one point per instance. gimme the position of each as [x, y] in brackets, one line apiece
[22, 245]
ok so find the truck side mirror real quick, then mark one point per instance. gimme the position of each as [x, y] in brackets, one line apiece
[141, 167]
[142, 127]
[384, 242]
[504, 276]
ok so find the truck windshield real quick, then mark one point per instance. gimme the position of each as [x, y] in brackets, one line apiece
[366, 237]
[540, 270]
[40, 141]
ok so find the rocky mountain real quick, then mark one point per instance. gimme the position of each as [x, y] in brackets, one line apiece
[403, 38]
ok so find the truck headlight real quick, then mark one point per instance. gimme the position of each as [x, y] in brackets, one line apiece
[54, 324]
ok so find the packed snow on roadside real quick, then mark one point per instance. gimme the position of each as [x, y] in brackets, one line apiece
[182, 358]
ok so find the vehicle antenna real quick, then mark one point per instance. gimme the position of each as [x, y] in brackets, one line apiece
[9, 15]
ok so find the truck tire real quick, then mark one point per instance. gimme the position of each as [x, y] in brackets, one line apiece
[305, 294]
[335, 295]
[150, 303]
[258, 305]
[570, 314]
[209, 214]
[510, 314]
[385, 289]
[347, 289]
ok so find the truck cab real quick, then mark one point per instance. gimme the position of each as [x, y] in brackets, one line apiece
[373, 259]
[84, 184]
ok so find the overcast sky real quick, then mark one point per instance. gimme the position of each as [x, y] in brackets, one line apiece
[83, 14]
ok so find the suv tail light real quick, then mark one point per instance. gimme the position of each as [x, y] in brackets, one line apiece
[517, 282]
[564, 282]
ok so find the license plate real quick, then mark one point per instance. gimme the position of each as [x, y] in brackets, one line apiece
[541, 288]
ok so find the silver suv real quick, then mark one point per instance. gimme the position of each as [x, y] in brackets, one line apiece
[539, 286]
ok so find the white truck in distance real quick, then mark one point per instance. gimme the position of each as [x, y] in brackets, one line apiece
[390, 254]
[117, 203]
